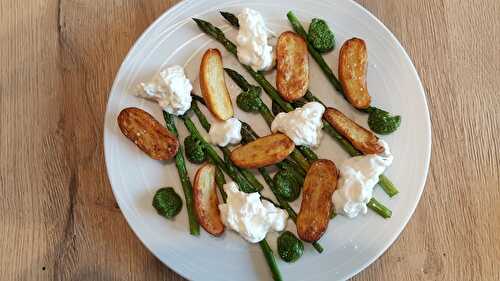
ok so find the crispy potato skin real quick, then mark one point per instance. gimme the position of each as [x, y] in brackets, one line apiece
[361, 138]
[352, 72]
[263, 151]
[213, 85]
[206, 203]
[147, 133]
[292, 65]
[314, 215]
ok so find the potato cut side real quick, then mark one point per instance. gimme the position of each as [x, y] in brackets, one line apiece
[147, 133]
[361, 138]
[292, 64]
[263, 151]
[213, 85]
[206, 203]
[316, 206]
[353, 59]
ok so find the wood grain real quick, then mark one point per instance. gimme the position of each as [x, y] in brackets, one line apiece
[58, 215]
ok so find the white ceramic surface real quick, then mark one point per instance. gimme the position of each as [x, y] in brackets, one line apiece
[350, 245]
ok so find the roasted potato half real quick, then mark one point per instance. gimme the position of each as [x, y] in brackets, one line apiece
[263, 151]
[292, 64]
[316, 206]
[206, 203]
[352, 72]
[213, 85]
[361, 138]
[147, 133]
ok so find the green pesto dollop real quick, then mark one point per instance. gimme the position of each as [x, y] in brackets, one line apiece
[194, 150]
[382, 122]
[249, 101]
[287, 186]
[167, 202]
[290, 248]
[320, 36]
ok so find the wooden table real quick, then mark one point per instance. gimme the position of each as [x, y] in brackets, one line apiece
[59, 219]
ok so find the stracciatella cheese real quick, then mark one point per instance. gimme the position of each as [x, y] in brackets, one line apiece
[252, 218]
[225, 132]
[303, 125]
[170, 88]
[252, 41]
[358, 176]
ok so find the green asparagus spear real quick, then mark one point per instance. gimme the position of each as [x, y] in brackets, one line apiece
[385, 125]
[271, 261]
[268, 253]
[219, 180]
[297, 26]
[187, 188]
[231, 18]
[379, 208]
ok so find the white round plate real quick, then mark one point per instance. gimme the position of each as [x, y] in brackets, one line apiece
[350, 244]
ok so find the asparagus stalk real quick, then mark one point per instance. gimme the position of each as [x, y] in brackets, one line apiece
[266, 250]
[219, 180]
[206, 125]
[271, 261]
[187, 188]
[216, 33]
[379, 208]
[231, 18]
[297, 27]
[268, 253]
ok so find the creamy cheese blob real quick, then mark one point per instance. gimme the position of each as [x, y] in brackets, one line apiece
[226, 132]
[358, 176]
[253, 48]
[246, 214]
[170, 88]
[303, 125]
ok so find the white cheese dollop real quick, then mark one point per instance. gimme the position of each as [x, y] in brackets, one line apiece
[303, 125]
[253, 49]
[358, 176]
[170, 88]
[246, 214]
[226, 132]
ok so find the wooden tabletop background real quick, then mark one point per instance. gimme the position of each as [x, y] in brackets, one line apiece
[59, 219]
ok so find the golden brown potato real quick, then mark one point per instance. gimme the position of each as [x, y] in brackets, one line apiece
[352, 72]
[263, 151]
[361, 138]
[213, 86]
[147, 133]
[316, 206]
[292, 65]
[206, 203]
